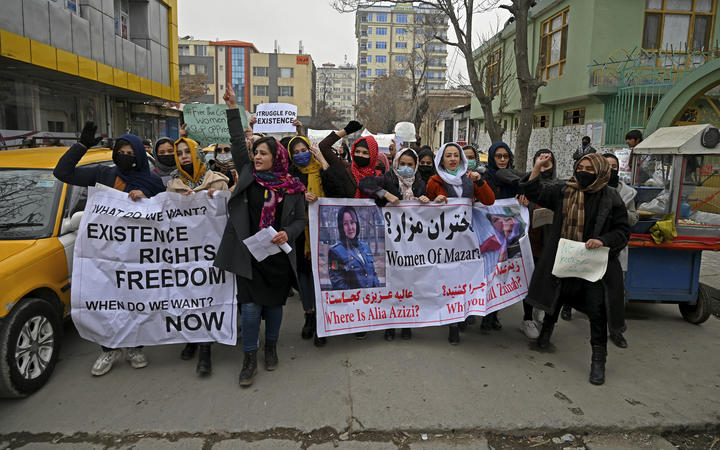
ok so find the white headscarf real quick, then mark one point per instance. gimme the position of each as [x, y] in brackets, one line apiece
[405, 184]
[455, 181]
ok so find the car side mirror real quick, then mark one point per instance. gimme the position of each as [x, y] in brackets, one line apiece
[72, 224]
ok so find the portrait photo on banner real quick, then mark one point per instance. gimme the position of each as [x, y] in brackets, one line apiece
[499, 230]
[351, 250]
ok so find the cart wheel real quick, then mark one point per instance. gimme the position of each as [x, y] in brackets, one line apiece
[699, 312]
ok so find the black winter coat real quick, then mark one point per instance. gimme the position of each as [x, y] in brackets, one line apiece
[610, 226]
[374, 187]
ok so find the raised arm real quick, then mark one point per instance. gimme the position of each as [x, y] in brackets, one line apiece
[327, 143]
[67, 170]
[238, 147]
[547, 195]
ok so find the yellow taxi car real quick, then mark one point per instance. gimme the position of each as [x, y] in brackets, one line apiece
[39, 219]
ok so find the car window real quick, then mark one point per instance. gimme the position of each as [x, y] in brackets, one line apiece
[28, 203]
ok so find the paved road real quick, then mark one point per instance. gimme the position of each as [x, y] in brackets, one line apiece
[371, 392]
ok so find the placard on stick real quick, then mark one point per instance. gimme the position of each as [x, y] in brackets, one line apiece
[275, 118]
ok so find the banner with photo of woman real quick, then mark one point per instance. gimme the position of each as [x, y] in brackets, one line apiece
[414, 264]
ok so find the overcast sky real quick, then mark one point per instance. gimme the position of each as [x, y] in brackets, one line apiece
[327, 35]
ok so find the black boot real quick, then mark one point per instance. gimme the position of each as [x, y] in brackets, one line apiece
[319, 341]
[271, 357]
[495, 322]
[204, 365]
[597, 364]
[618, 339]
[406, 333]
[189, 351]
[309, 327]
[249, 369]
[566, 312]
[454, 335]
[389, 334]
[543, 341]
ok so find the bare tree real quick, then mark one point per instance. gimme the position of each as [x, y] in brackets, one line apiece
[192, 87]
[460, 13]
[325, 118]
[387, 103]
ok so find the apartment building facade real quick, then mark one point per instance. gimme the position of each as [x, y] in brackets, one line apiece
[400, 40]
[232, 68]
[198, 57]
[283, 78]
[337, 87]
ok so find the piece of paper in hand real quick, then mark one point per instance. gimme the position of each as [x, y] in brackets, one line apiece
[542, 216]
[573, 260]
[260, 246]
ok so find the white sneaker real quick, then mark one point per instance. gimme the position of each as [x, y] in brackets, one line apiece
[538, 316]
[105, 361]
[529, 327]
[136, 358]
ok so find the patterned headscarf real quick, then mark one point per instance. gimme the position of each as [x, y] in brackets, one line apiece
[574, 197]
[278, 182]
[368, 171]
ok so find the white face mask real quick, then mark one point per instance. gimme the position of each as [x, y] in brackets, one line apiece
[223, 158]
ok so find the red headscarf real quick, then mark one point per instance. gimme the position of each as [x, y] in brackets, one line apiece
[368, 171]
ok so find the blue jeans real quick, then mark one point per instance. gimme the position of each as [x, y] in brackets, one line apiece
[307, 291]
[251, 315]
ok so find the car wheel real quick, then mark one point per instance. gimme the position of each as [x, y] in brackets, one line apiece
[29, 347]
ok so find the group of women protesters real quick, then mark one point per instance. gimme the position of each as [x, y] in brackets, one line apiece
[272, 185]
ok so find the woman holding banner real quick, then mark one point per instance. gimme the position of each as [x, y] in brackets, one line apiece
[192, 175]
[585, 210]
[321, 179]
[400, 183]
[131, 174]
[453, 180]
[265, 195]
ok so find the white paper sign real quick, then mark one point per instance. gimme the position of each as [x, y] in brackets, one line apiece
[316, 136]
[541, 217]
[260, 246]
[414, 264]
[573, 260]
[275, 118]
[143, 271]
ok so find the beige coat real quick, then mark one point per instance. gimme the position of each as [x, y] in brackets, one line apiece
[211, 180]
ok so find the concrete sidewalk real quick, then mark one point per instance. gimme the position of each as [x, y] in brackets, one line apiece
[667, 378]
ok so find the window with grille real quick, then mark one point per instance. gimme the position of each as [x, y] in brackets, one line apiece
[542, 121]
[574, 116]
[492, 72]
[286, 91]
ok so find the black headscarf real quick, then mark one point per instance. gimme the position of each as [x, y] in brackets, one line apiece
[343, 238]
[502, 190]
[140, 176]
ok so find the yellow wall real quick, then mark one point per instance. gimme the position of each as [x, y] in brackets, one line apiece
[27, 50]
[301, 81]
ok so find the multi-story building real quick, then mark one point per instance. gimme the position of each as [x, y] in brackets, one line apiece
[401, 40]
[65, 62]
[198, 57]
[336, 87]
[283, 78]
[232, 67]
[610, 66]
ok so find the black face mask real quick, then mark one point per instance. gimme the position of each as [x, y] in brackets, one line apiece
[614, 178]
[585, 179]
[546, 174]
[187, 168]
[124, 162]
[361, 161]
[166, 160]
[426, 171]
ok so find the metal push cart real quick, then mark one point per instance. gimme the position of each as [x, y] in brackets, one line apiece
[675, 170]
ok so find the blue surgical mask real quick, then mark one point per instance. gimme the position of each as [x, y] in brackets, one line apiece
[472, 164]
[302, 159]
[405, 171]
